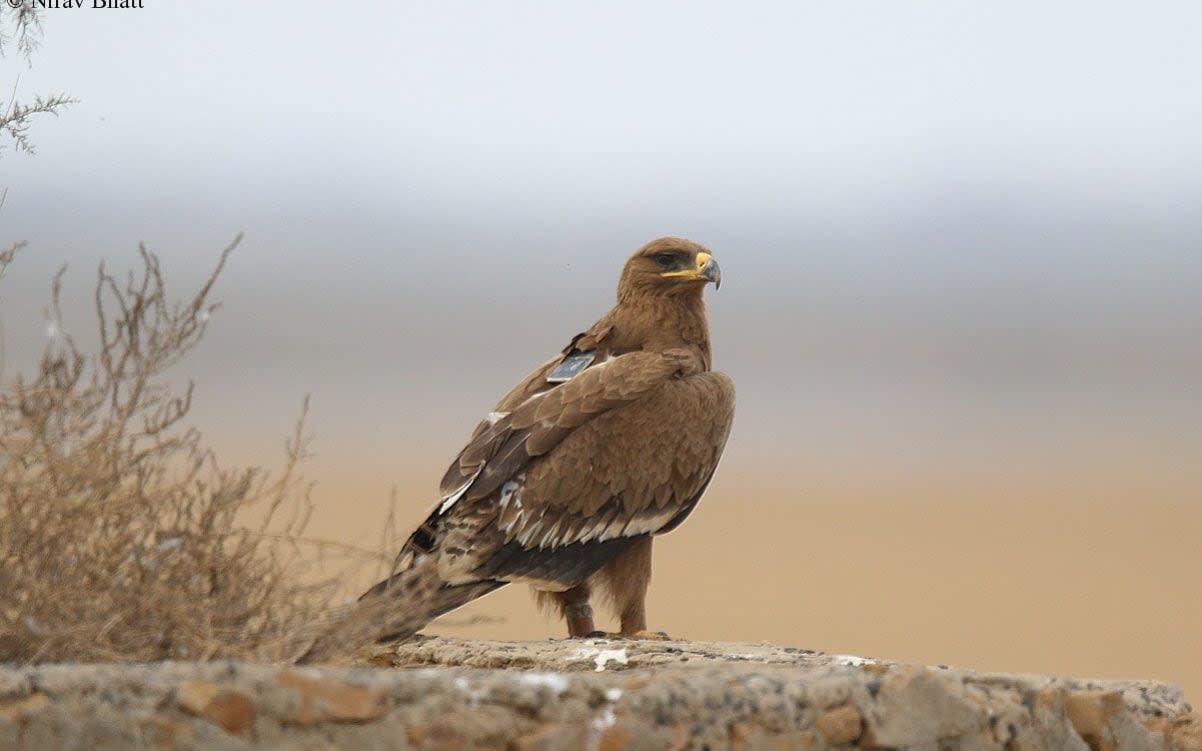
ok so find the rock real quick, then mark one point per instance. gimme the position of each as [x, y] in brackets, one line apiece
[17, 710]
[549, 738]
[330, 700]
[746, 736]
[1185, 732]
[1090, 713]
[840, 726]
[1051, 725]
[166, 733]
[916, 706]
[193, 697]
[13, 684]
[231, 710]
[615, 738]
[438, 736]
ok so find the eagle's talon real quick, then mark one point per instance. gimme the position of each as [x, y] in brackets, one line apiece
[633, 636]
[648, 636]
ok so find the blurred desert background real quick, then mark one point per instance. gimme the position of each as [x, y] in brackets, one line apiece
[962, 296]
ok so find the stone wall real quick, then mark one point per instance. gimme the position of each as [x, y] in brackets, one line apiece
[434, 693]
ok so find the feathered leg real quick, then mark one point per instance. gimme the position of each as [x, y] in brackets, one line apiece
[626, 578]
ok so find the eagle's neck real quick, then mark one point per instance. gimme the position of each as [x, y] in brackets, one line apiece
[660, 322]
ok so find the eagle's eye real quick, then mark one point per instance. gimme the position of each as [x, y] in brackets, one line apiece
[665, 260]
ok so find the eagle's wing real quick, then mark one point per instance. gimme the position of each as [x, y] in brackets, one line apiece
[563, 476]
[484, 437]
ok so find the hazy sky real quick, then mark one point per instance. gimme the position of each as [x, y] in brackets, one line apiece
[664, 110]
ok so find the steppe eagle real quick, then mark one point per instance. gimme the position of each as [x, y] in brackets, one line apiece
[566, 481]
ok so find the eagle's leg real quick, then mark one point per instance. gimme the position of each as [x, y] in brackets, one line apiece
[631, 576]
[573, 604]
[627, 577]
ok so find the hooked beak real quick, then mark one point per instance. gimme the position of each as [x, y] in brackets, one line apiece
[706, 270]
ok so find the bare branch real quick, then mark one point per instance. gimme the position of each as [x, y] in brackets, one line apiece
[17, 117]
[26, 31]
[7, 255]
[121, 535]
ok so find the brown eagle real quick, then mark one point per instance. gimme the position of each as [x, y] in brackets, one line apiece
[567, 480]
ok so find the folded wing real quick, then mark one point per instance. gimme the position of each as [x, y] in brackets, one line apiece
[563, 476]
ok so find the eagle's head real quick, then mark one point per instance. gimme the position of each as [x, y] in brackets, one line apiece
[669, 266]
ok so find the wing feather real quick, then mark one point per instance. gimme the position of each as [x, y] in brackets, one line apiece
[560, 477]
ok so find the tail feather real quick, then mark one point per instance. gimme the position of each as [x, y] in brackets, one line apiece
[419, 595]
[396, 608]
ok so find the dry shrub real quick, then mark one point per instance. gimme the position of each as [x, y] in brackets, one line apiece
[121, 536]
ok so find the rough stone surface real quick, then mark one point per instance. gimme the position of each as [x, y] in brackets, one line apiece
[840, 726]
[232, 710]
[602, 695]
